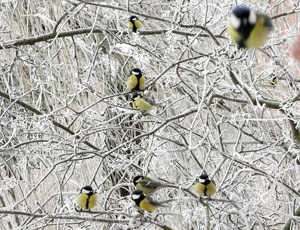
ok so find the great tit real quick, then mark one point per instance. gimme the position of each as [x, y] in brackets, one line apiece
[134, 23]
[142, 103]
[144, 202]
[136, 80]
[147, 185]
[248, 28]
[87, 198]
[274, 81]
[205, 186]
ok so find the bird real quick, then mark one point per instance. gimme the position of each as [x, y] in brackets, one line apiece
[205, 186]
[144, 202]
[247, 28]
[136, 80]
[134, 23]
[146, 184]
[87, 198]
[274, 81]
[142, 103]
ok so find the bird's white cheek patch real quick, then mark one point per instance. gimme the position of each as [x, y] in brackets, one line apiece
[235, 21]
[85, 191]
[135, 197]
[201, 181]
[134, 73]
[252, 17]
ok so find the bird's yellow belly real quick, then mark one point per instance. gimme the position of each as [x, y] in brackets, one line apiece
[203, 190]
[132, 82]
[86, 202]
[147, 206]
[92, 201]
[258, 37]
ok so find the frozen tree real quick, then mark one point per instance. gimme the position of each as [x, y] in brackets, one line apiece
[67, 121]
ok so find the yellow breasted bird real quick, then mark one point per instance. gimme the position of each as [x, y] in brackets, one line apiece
[87, 198]
[248, 28]
[134, 23]
[142, 103]
[144, 202]
[205, 186]
[274, 81]
[145, 184]
[136, 80]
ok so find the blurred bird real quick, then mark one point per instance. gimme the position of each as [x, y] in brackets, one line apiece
[145, 184]
[144, 202]
[136, 80]
[87, 198]
[248, 28]
[205, 186]
[134, 23]
[142, 103]
[274, 81]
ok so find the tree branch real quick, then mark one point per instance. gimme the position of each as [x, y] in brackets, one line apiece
[63, 217]
[55, 123]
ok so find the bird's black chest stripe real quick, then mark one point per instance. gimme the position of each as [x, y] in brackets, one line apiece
[134, 28]
[138, 85]
[87, 202]
[205, 190]
[245, 31]
[138, 201]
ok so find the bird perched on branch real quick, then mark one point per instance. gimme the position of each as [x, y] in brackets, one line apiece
[142, 103]
[87, 198]
[136, 80]
[146, 184]
[248, 28]
[274, 81]
[144, 202]
[205, 186]
[134, 23]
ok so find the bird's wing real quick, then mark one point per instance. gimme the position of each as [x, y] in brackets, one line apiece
[131, 82]
[267, 22]
[150, 184]
[142, 82]
[130, 25]
[151, 201]
[138, 24]
[151, 101]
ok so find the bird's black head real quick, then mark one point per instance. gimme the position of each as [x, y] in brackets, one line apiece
[137, 179]
[243, 19]
[204, 179]
[241, 11]
[87, 190]
[136, 72]
[133, 18]
[137, 196]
